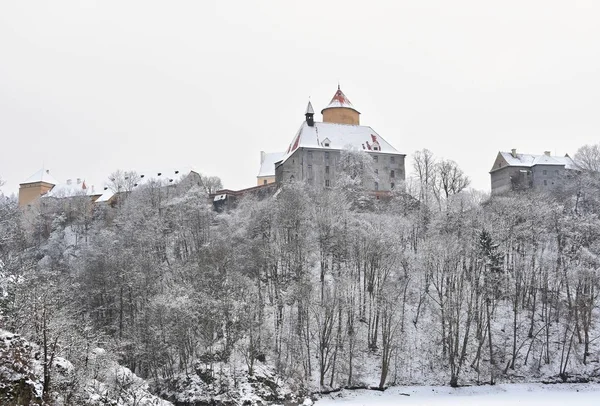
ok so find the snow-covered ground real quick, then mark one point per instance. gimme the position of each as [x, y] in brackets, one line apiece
[505, 395]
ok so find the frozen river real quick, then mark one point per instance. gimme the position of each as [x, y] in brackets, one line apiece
[505, 395]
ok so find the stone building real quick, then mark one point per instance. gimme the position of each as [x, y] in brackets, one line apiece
[514, 171]
[42, 184]
[314, 153]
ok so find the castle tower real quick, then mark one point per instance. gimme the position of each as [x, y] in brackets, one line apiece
[35, 186]
[340, 110]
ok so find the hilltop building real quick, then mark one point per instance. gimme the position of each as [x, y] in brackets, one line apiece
[314, 153]
[266, 174]
[42, 184]
[129, 181]
[514, 171]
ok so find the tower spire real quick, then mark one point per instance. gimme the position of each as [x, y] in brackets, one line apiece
[309, 114]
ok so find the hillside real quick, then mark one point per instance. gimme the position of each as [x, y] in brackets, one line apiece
[303, 292]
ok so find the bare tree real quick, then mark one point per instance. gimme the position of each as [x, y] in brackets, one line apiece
[211, 183]
[588, 157]
[123, 181]
[450, 178]
[425, 169]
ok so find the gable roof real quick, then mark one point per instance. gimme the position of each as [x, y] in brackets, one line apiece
[166, 177]
[43, 175]
[340, 136]
[530, 160]
[267, 166]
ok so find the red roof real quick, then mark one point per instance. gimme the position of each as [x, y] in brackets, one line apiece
[339, 100]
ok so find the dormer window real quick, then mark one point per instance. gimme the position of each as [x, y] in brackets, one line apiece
[326, 143]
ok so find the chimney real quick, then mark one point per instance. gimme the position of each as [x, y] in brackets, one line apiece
[262, 157]
[69, 181]
[547, 153]
[78, 181]
[48, 171]
[513, 152]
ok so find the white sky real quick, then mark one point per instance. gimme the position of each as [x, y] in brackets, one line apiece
[89, 87]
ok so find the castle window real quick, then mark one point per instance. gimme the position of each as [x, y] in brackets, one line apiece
[392, 159]
[327, 169]
[310, 154]
[375, 158]
[376, 185]
[376, 171]
[327, 183]
[309, 167]
[545, 182]
[392, 174]
[392, 185]
[264, 182]
[545, 172]
[327, 155]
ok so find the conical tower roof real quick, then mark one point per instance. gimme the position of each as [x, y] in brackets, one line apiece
[339, 100]
[309, 109]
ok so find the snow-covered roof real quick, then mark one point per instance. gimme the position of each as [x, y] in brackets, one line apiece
[70, 189]
[339, 100]
[309, 109]
[267, 166]
[167, 177]
[43, 175]
[529, 160]
[340, 136]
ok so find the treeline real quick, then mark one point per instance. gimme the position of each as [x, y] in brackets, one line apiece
[329, 288]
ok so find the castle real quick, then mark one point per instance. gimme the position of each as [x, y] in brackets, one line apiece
[313, 156]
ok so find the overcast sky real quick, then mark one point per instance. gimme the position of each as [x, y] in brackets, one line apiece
[88, 87]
